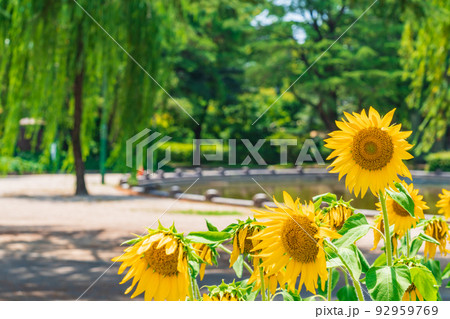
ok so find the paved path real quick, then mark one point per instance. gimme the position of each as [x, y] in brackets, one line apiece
[53, 246]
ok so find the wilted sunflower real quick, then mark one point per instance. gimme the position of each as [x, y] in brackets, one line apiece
[226, 292]
[158, 261]
[270, 281]
[399, 217]
[444, 203]
[369, 151]
[438, 229]
[205, 253]
[337, 215]
[242, 242]
[379, 224]
[412, 294]
[224, 297]
[293, 239]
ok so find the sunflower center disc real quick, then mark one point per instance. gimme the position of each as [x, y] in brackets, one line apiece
[372, 148]
[162, 263]
[399, 210]
[298, 239]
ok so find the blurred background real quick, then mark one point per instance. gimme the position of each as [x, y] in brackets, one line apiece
[79, 78]
[70, 96]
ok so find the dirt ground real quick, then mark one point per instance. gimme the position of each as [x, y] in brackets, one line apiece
[54, 246]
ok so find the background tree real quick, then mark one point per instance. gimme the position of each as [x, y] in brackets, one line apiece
[425, 52]
[59, 66]
[359, 70]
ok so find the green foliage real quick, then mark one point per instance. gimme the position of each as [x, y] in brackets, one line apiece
[184, 152]
[388, 283]
[425, 282]
[347, 293]
[353, 229]
[208, 237]
[402, 197]
[425, 51]
[439, 161]
[18, 165]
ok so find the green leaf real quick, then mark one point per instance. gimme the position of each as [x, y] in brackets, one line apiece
[210, 226]
[446, 272]
[380, 261]
[327, 197]
[428, 239]
[415, 246]
[425, 282]
[363, 261]
[238, 266]
[351, 258]
[290, 296]
[435, 267]
[388, 283]
[347, 293]
[194, 268]
[334, 261]
[402, 197]
[353, 229]
[131, 241]
[208, 237]
[317, 204]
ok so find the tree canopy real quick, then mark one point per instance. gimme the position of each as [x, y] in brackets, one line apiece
[93, 71]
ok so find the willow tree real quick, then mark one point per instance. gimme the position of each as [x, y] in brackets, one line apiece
[426, 55]
[57, 64]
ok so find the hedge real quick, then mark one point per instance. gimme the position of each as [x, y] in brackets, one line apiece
[17, 165]
[439, 161]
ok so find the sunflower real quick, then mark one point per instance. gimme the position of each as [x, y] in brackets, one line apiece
[338, 214]
[293, 239]
[158, 261]
[205, 253]
[412, 294]
[369, 151]
[242, 242]
[437, 228]
[399, 217]
[444, 203]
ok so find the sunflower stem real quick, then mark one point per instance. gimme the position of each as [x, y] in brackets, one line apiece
[263, 288]
[356, 283]
[330, 279]
[387, 235]
[408, 243]
[358, 289]
[247, 266]
[191, 287]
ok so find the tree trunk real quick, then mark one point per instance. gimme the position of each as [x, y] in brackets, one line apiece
[327, 118]
[77, 116]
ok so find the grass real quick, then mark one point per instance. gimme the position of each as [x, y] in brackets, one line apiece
[208, 212]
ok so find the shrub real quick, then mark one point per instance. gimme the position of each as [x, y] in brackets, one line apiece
[439, 160]
[18, 165]
[183, 152]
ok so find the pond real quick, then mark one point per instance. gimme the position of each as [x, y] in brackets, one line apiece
[304, 187]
